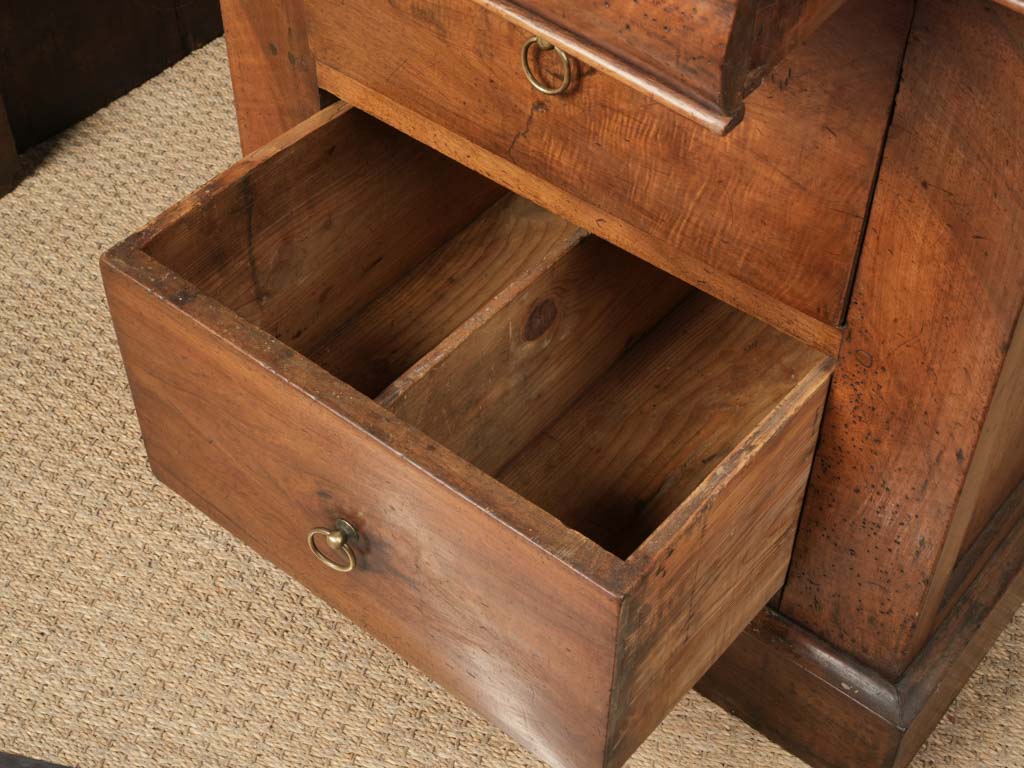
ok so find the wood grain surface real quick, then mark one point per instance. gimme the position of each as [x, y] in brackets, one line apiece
[768, 219]
[272, 70]
[255, 239]
[513, 369]
[451, 588]
[421, 309]
[1016, 5]
[834, 712]
[644, 437]
[802, 693]
[729, 543]
[712, 51]
[938, 295]
[998, 464]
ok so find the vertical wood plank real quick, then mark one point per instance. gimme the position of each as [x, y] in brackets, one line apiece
[272, 69]
[935, 304]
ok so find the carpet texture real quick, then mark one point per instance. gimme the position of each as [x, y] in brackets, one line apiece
[135, 632]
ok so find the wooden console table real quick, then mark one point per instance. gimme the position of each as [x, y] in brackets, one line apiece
[406, 350]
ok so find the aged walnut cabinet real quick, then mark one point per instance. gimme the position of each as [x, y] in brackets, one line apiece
[584, 352]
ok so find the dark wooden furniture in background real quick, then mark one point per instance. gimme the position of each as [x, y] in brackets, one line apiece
[8, 152]
[61, 60]
[869, 205]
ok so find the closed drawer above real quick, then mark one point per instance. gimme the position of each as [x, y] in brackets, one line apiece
[768, 219]
[700, 58]
[573, 478]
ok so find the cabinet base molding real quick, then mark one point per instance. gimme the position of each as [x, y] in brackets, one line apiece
[834, 712]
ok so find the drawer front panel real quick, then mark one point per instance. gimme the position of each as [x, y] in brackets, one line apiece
[461, 596]
[773, 212]
[700, 58]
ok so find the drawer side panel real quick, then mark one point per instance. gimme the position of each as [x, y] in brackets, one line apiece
[709, 570]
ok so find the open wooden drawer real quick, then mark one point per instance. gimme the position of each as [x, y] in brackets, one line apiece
[573, 477]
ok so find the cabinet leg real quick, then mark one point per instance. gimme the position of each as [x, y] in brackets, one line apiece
[272, 69]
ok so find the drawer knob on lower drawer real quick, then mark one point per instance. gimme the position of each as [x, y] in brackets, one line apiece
[338, 541]
[544, 45]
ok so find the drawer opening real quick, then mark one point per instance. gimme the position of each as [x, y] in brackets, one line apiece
[361, 249]
[596, 386]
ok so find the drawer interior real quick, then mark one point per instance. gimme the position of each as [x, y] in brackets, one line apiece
[602, 389]
[594, 385]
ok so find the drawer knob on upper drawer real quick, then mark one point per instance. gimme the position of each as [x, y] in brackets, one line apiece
[338, 541]
[544, 45]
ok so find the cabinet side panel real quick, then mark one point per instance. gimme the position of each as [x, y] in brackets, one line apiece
[998, 465]
[934, 307]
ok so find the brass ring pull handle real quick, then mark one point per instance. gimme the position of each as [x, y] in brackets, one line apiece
[337, 540]
[544, 45]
